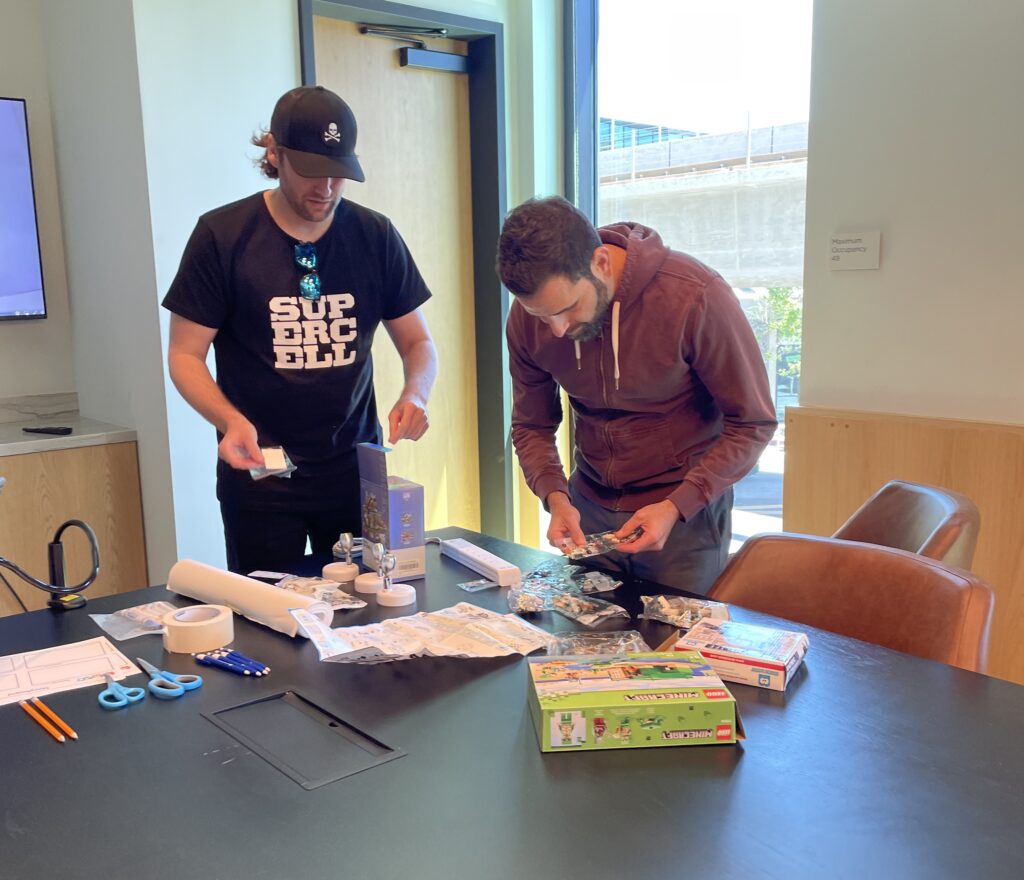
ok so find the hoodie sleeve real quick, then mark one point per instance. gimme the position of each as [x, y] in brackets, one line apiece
[721, 348]
[536, 415]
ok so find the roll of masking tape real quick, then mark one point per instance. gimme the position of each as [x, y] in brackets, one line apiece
[198, 628]
[343, 573]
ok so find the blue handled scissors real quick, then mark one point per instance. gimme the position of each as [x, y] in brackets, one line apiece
[168, 685]
[114, 696]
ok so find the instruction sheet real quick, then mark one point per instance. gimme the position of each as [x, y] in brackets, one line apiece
[62, 668]
[463, 630]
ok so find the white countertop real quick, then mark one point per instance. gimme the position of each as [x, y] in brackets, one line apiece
[84, 432]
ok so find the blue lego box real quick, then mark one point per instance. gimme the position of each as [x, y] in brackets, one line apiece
[392, 512]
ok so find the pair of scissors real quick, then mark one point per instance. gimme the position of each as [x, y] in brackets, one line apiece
[168, 685]
[114, 696]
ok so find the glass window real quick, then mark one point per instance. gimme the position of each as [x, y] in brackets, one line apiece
[703, 108]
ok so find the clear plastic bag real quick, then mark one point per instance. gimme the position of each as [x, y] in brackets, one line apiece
[681, 612]
[531, 597]
[619, 642]
[583, 609]
[597, 582]
[273, 468]
[322, 590]
[139, 620]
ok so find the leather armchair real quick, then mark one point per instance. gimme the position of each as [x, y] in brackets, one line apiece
[877, 594]
[933, 522]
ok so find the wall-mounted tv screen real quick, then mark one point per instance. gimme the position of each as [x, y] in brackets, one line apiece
[21, 271]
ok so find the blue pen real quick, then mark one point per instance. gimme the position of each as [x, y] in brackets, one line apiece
[234, 657]
[229, 657]
[207, 660]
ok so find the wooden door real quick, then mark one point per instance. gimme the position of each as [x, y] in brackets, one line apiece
[414, 147]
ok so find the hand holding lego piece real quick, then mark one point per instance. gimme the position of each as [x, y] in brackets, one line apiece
[598, 543]
[565, 521]
[239, 446]
[648, 528]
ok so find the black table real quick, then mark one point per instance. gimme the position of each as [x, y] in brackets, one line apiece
[873, 764]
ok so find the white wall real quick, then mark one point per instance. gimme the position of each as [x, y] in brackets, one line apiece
[35, 356]
[102, 169]
[153, 102]
[209, 74]
[916, 130]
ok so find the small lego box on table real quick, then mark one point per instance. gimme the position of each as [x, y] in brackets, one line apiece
[392, 513]
[630, 701]
[745, 653]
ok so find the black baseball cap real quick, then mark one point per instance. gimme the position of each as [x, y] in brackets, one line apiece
[319, 131]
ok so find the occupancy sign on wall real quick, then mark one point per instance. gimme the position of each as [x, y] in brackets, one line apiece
[854, 250]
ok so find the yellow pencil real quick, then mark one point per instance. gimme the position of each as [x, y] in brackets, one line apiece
[54, 717]
[43, 723]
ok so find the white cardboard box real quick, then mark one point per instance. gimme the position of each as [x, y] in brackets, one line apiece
[745, 653]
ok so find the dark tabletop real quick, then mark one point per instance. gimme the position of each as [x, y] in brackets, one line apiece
[873, 765]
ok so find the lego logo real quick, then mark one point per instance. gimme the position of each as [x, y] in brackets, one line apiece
[723, 731]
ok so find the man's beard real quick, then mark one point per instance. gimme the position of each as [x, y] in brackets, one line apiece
[299, 208]
[592, 329]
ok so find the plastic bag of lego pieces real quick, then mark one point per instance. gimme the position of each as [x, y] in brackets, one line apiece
[597, 582]
[556, 573]
[276, 463]
[583, 609]
[139, 620]
[600, 542]
[541, 584]
[531, 597]
[681, 612]
[620, 642]
[322, 590]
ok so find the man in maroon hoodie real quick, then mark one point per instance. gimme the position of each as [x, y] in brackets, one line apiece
[666, 382]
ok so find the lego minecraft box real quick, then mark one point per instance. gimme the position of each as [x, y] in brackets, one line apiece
[630, 701]
[392, 513]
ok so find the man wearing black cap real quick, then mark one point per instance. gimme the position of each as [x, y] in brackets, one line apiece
[289, 285]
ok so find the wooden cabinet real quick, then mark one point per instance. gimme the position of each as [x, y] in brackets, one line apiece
[96, 484]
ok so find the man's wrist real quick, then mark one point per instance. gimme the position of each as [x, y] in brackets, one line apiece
[557, 499]
[414, 398]
[671, 506]
[234, 420]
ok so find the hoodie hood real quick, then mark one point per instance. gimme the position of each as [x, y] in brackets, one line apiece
[645, 253]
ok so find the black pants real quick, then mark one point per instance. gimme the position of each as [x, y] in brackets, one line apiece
[271, 540]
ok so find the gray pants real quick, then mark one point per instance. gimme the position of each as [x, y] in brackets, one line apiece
[692, 558]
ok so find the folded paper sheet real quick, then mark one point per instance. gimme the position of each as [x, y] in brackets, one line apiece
[259, 602]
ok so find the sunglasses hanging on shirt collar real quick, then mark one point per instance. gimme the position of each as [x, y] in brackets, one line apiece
[305, 258]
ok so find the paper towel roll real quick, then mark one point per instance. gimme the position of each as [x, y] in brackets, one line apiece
[259, 602]
[198, 628]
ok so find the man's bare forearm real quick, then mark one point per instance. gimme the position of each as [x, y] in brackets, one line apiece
[192, 378]
[419, 366]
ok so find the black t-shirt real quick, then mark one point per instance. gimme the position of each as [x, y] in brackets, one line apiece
[300, 371]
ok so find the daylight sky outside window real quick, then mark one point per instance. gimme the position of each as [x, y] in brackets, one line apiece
[703, 108]
[702, 65]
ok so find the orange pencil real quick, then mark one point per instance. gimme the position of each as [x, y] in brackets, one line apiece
[54, 717]
[43, 723]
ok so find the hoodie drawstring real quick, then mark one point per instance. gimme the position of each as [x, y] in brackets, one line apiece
[579, 360]
[615, 340]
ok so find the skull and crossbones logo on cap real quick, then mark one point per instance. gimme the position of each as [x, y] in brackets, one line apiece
[332, 134]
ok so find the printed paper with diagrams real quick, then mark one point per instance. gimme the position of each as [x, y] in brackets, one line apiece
[63, 668]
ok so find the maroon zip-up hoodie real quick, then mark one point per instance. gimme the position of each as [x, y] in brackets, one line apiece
[678, 408]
